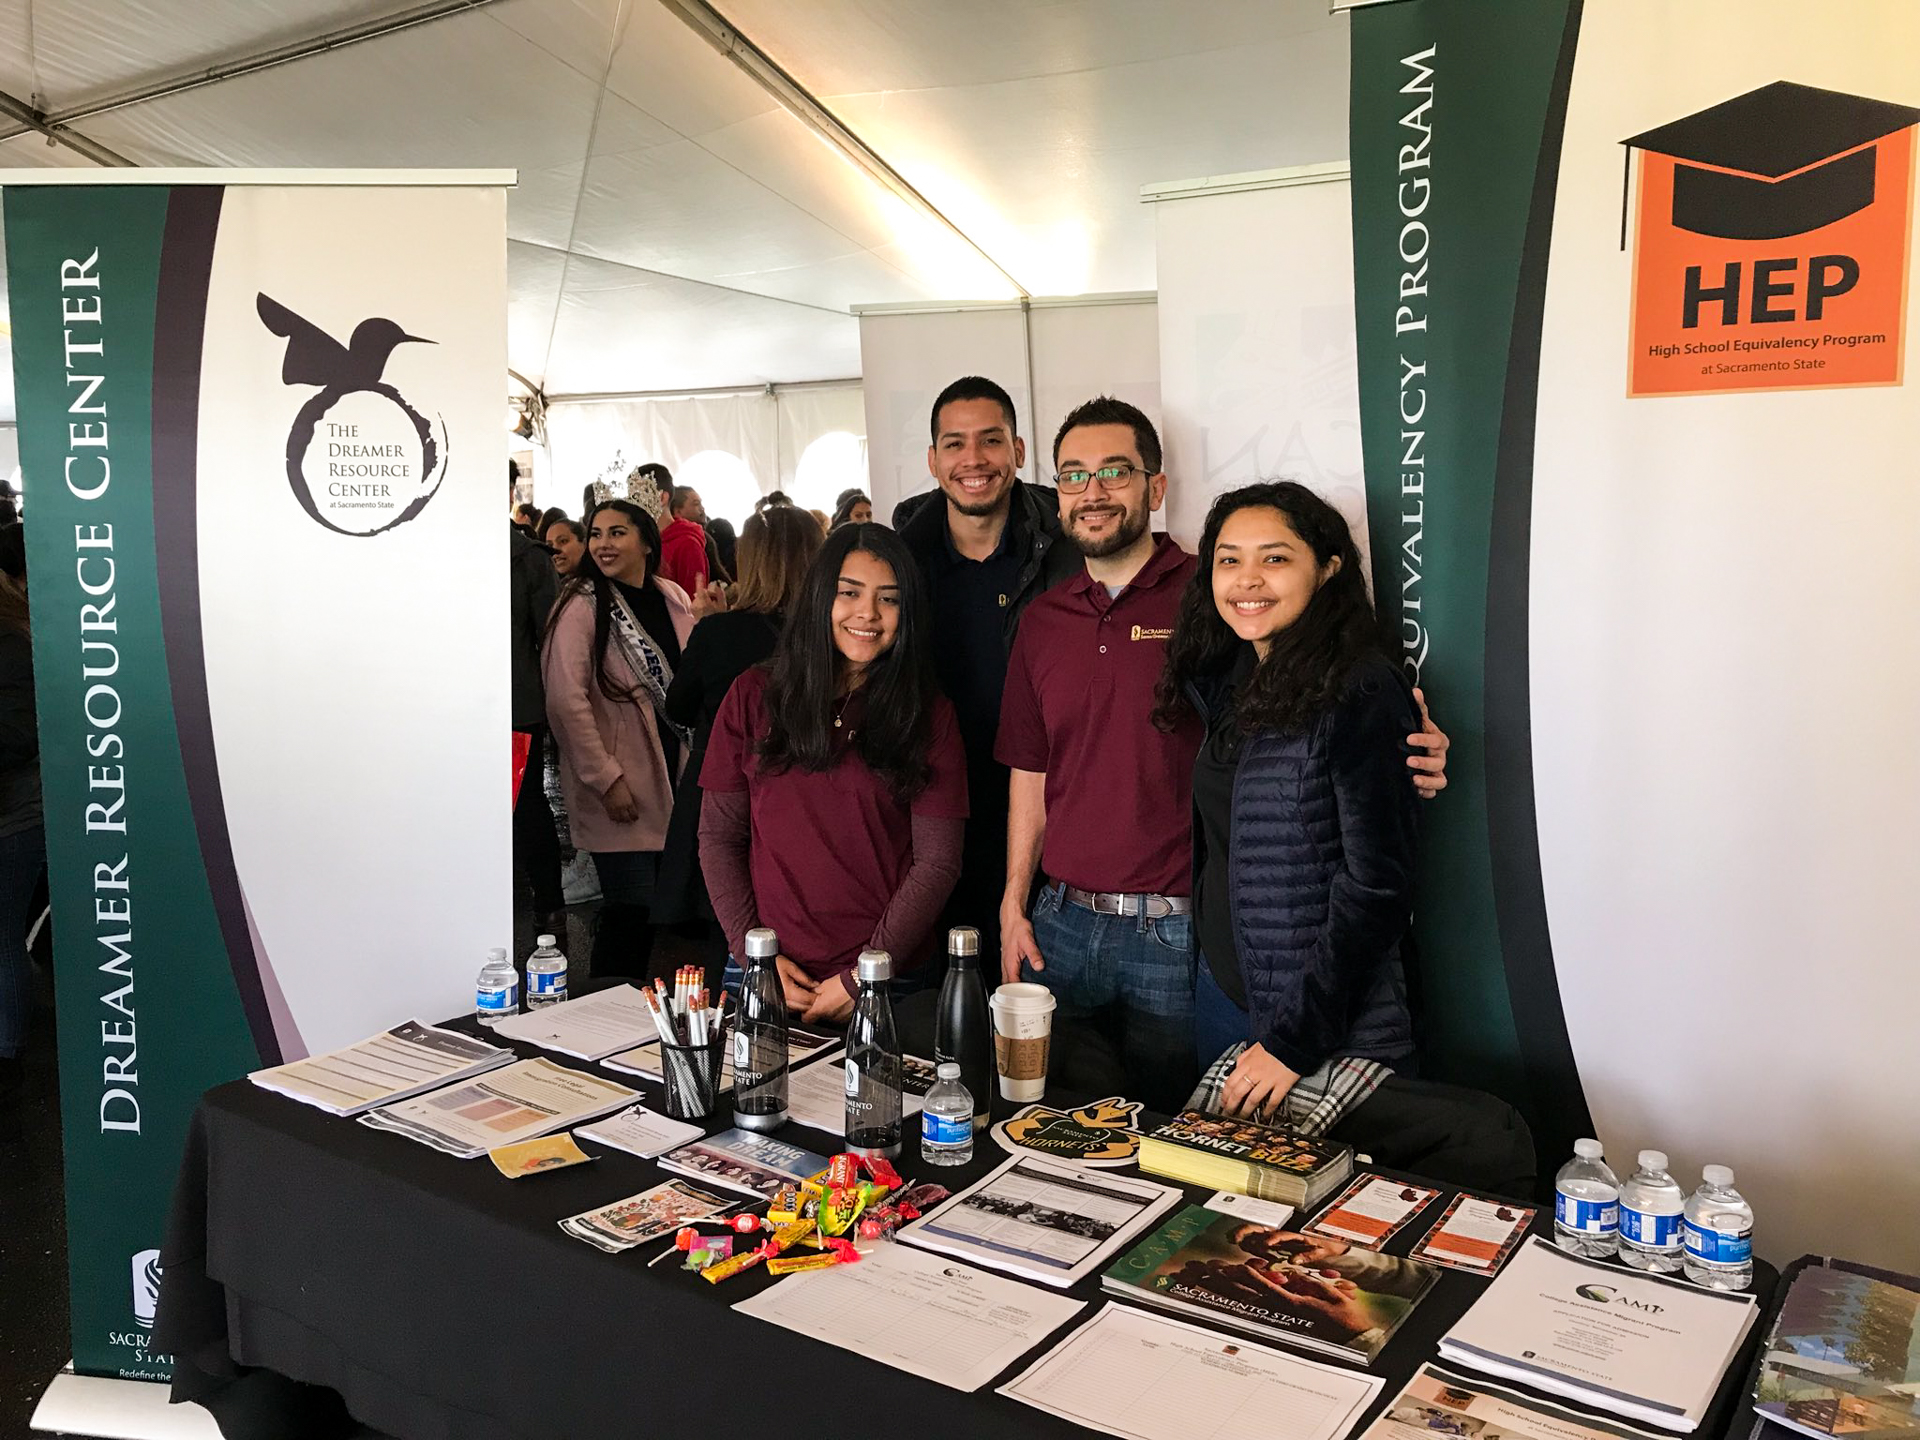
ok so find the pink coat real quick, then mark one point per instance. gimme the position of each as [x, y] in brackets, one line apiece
[604, 740]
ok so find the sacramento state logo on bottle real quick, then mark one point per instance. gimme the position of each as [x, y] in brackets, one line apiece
[361, 459]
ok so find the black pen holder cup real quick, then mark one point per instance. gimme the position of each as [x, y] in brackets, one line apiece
[692, 1076]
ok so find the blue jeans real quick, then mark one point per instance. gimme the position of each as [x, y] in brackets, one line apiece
[21, 856]
[1218, 1023]
[1129, 977]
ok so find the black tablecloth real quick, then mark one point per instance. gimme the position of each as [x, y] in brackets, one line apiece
[311, 1260]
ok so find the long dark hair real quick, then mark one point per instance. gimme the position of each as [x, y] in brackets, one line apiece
[1308, 661]
[895, 733]
[587, 578]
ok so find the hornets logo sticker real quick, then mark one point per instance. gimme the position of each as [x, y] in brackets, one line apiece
[1106, 1132]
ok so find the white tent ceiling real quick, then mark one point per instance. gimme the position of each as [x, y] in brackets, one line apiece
[676, 226]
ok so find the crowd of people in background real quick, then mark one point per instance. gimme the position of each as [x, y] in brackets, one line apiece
[1180, 790]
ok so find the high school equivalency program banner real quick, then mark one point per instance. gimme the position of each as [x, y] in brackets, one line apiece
[1632, 292]
[260, 442]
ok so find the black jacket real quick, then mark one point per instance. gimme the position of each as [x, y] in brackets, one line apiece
[19, 736]
[1048, 559]
[534, 588]
[720, 649]
[1323, 842]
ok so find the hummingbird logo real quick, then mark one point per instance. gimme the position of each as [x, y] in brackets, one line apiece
[360, 458]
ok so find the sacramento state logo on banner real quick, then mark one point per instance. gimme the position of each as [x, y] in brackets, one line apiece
[360, 457]
[1771, 246]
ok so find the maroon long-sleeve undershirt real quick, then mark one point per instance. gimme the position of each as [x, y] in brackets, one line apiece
[725, 840]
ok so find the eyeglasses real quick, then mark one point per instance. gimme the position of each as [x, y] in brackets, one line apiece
[1111, 477]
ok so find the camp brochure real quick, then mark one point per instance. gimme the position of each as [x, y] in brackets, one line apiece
[1644, 1346]
[646, 1216]
[1046, 1220]
[589, 1028]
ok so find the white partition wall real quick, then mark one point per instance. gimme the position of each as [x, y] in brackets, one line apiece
[907, 356]
[1257, 371]
[1050, 354]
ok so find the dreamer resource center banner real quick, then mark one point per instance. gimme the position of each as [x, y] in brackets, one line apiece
[1632, 288]
[260, 443]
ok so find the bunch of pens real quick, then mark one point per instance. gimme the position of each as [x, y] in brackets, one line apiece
[692, 1041]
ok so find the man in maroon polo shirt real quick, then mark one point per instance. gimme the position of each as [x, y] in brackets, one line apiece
[1095, 786]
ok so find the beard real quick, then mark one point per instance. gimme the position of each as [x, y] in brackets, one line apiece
[1133, 524]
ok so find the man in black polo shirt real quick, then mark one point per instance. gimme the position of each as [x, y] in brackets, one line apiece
[988, 544]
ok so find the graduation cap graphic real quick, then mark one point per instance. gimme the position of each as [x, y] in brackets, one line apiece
[1777, 161]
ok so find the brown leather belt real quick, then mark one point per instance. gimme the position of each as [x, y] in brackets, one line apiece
[1154, 907]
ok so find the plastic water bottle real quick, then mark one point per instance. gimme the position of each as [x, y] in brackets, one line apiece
[873, 1062]
[961, 1031]
[1586, 1203]
[1650, 1206]
[496, 994]
[1719, 1231]
[946, 1121]
[546, 975]
[760, 1039]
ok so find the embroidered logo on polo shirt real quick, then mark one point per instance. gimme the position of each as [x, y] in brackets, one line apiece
[1142, 632]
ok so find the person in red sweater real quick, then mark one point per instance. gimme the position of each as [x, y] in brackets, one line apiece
[683, 541]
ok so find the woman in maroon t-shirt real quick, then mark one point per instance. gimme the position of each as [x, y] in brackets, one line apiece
[835, 783]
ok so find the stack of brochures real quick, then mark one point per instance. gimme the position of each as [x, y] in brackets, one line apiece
[521, 1101]
[1229, 1270]
[1238, 1155]
[590, 1028]
[390, 1066]
[1844, 1355]
[1644, 1346]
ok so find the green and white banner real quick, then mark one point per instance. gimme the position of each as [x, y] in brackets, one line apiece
[1632, 293]
[259, 433]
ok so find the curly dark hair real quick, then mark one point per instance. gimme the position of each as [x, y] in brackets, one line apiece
[895, 737]
[1308, 661]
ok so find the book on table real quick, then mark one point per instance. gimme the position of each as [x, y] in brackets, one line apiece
[1267, 1161]
[1276, 1284]
[1843, 1356]
[1648, 1347]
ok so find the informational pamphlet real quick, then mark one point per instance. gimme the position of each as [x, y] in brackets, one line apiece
[390, 1066]
[1151, 1377]
[1440, 1404]
[1270, 1213]
[1643, 1346]
[647, 1216]
[949, 1323]
[590, 1028]
[1047, 1220]
[1475, 1235]
[1843, 1357]
[1372, 1210]
[518, 1102]
[746, 1161]
[817, 1094]
[640, 1131]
